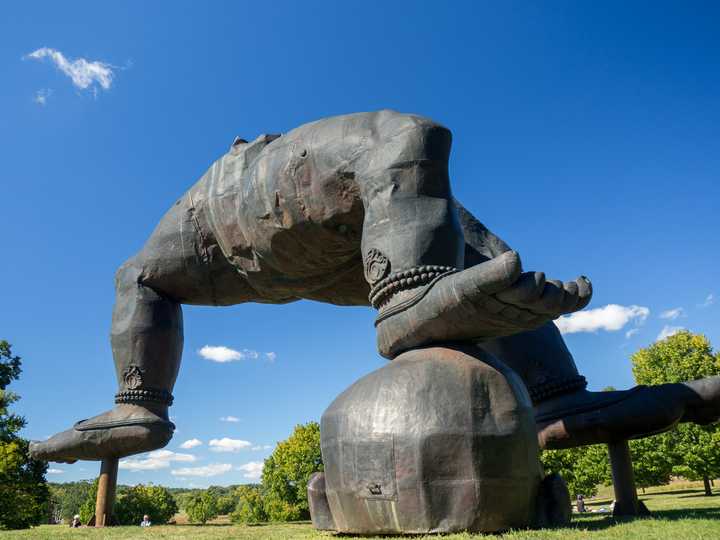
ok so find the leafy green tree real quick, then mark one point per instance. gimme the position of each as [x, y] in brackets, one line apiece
[697, 453]
[202, 507]
[10, 370]
[23, 491]
[681, 357]
[87, 508]
[68, 497]
[250, 505]
[155, 501]
[652, 463]
[287, 471]
[583, 468]
[24, 495]
[694, 450]
[226, 504]
[132, 504]
[183, 497]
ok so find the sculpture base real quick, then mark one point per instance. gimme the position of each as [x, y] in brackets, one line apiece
[440, 440]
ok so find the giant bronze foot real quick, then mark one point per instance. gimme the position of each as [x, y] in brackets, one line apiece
[124, 430]
[495, 298]
[581, 418]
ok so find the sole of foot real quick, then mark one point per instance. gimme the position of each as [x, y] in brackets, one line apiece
[125, 430]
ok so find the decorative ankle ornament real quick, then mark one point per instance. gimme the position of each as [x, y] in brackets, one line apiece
[421, 276]
[555, 386]
[141, 395]
[133, 393]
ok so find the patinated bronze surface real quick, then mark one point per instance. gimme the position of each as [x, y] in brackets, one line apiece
[441, 439]
[357, 210]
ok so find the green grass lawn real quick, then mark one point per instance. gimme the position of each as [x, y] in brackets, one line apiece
[679, 513]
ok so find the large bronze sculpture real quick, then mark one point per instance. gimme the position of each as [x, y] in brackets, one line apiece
[357, 210]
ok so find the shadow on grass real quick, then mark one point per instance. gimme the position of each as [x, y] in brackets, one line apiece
[259, 524]
[275, 523]
[593, 523]
[673, 492]
[204, 525]
[688, 513]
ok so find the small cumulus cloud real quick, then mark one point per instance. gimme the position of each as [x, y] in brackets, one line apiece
[271, 356]
[610, 318]
[229, 418]
[223, 354]
[55, 471]
[159, 459]
[668, 331]
[228, 445]
[220, 353]
[84, 74]
[252, 470]
[672, 314]
[206, 471]
[190, 443]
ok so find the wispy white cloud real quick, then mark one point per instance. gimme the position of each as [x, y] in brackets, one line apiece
[252, 470]
[230, 418]
[610, 318]
[228, 445]
[206, 471]
[84, 74]
[672, 314]
[55, 471]
[136, 465]
[262, 447]
[223, 354]
[42, 95]
[709, 301]
[668, 331]
[190, 443]
[630, 333]
[159, 459]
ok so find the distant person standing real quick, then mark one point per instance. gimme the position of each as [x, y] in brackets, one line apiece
[581, 504]
[146, 521]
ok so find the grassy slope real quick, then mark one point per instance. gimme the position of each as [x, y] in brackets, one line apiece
[681, 514]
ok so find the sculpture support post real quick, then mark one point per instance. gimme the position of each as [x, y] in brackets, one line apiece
[107, 482]
[626, 501]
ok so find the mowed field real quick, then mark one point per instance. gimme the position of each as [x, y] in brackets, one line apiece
[679, 513]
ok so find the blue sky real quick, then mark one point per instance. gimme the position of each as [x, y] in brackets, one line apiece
[585, 134]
